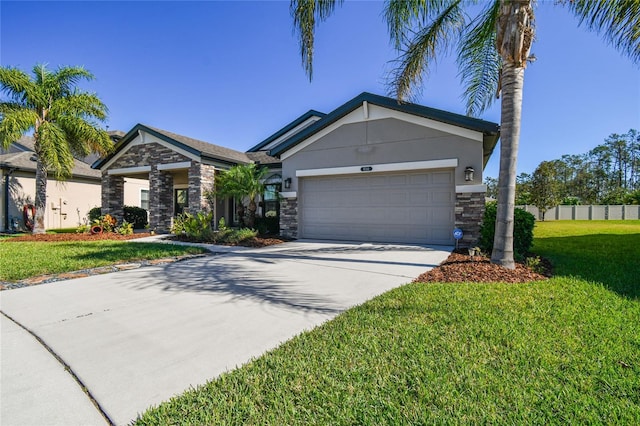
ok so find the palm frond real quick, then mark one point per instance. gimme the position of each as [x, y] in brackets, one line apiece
[17, 85]
[66, 78]
[53, 150]
[479, 61]
[81, 104]
[15, 121]
[84, 136]
[617, 20]
[420, 52]
[306, 16]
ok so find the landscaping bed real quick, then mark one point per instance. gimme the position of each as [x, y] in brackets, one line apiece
[74, 237]
[460, 267]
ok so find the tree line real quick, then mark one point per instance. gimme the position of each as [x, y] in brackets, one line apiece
[607, 174]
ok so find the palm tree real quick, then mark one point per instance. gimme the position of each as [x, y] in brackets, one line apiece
[493, 46]
[242, 181]
[64, 121]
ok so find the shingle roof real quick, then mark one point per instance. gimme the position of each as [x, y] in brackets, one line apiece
[486, 127]
[23, 161]
[304, 117]
[194, 146]
[263, 158]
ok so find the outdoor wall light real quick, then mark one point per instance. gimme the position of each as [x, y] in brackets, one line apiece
[468, 174]
[287, 183]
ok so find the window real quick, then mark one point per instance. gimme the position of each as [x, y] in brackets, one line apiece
[144, 199]
[271, 204]
[181, 200]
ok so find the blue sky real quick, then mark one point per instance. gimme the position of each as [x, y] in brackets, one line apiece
[230, 73]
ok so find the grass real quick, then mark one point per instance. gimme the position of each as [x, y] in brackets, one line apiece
[562, 351]
[27, 259]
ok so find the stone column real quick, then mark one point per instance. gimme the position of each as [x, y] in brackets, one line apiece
[160, 200]
[113, 196]
[469, 215]
[289, 217]
[201, 180]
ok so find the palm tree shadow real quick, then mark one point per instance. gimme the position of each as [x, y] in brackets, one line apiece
[611, 259]
[210, 275]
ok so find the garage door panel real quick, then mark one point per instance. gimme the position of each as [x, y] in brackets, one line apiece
[412, 207]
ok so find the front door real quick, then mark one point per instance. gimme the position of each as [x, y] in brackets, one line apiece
[180, 200]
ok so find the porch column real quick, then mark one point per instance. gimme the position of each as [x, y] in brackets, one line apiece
[160, 200]
[113, 195]
[201, 180]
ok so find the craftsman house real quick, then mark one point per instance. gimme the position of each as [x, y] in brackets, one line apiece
[371, 170]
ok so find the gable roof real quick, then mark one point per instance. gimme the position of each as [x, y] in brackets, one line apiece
[288, 128]
[24, 161]
[489, 129]
[196, 147]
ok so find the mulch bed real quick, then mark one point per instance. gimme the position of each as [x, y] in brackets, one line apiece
[50, 238]
[255, 242]
[460, 267]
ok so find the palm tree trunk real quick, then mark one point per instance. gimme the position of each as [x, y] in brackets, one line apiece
[41, 197]
[514, 36]
[251, 219]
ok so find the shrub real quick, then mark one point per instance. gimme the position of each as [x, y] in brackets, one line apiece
[137, 216]
[94, 214]
[236, 235]
[268, 225]
[522, 230]
[125, 228]
[197, 226]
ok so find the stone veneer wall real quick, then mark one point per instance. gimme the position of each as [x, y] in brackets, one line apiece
[160, 200]
[113, 195]
[469, 214]
[201, 179]
[289, 217]
[160, 183]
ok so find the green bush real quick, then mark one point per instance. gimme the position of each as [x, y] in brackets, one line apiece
[137, 216]
[235, 236]
[94, 214]
[268, 225]
[125, 228]
[196, 226]
[522, 230]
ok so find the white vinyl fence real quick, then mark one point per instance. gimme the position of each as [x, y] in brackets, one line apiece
[593, 212]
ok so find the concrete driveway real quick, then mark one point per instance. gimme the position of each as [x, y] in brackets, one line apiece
[136, 338]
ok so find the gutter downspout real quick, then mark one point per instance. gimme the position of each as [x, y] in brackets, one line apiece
[9, 171]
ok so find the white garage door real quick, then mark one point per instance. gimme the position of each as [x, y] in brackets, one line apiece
[409, 207]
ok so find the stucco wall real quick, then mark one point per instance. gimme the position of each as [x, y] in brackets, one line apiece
[73, 198]
[385, 141]
[132, 189]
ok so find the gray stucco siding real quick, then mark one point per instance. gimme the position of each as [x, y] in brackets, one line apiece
[385, 141]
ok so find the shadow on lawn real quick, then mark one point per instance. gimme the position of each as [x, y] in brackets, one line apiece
[611, 259]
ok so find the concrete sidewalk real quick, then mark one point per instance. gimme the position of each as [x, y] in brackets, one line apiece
[136, 338]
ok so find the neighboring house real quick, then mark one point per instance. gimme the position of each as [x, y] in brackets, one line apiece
[371, 170]
[68, 202]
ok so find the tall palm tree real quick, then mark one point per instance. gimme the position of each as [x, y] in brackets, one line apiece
[493, 45]
[243, 181]
[64, 121]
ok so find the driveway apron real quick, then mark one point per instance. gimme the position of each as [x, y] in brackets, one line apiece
[136, 338]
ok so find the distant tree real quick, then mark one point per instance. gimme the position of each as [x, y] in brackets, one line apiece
[493, 45]
[492, 187]
[523, 189]
[64, 120]
[544, 187]
[243, 182]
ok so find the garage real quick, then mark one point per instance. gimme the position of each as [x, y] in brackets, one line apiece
[403, 207]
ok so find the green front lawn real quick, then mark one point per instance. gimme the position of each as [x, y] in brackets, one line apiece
[20, 260]
[562, 351]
